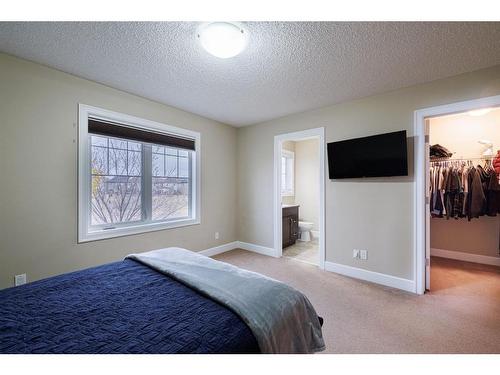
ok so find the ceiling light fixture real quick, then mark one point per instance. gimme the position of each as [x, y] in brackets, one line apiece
[222, 39]
[480, 112]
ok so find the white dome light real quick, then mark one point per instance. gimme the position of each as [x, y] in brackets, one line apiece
[222, 39]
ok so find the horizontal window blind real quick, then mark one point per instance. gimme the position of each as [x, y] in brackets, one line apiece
[101, 127]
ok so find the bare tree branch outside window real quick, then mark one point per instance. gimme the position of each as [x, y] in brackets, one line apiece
[170, 183]
[116, 182]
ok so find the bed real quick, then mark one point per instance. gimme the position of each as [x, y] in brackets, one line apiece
[125, 307]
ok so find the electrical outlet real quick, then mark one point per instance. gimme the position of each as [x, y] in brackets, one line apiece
[20, 279]
[216, 235]
[363, 254]
[355, 253]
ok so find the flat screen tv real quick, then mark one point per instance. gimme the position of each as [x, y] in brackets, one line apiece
[380, 155]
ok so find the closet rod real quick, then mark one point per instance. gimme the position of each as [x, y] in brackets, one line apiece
[456, 159]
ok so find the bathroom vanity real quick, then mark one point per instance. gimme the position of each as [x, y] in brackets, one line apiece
[290, 226]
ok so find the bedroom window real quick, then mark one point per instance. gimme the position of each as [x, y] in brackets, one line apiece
[287, 173]
[135, 175]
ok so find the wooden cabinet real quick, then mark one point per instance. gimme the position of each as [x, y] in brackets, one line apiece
[290, 225]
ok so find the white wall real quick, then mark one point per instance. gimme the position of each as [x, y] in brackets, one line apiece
[375, 214]
[307, 180]
[38, 156]
[460, 133]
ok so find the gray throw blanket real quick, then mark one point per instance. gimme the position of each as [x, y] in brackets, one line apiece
[281, 318]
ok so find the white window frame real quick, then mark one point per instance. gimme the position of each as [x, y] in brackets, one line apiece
[289, 155]
[85, 231]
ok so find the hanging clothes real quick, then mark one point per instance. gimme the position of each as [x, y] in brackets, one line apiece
[493, 195]
[476, 195]
[496, 162]
[460, 190]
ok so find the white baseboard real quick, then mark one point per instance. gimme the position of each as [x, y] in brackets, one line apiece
[238, 245]
[357, 273]
[374, 277]
[220, 249]
[269, 251]
[458, 255]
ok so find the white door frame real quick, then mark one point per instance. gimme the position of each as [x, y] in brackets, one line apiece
[277, 217]
[422, 224]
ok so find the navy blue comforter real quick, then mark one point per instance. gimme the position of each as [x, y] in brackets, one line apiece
[122, 307]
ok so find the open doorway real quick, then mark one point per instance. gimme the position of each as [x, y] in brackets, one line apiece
[458, 197]
[299, 196]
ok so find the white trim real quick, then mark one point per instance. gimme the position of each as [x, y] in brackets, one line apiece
[84, 235]
[269, 251]
[371, 276]
[220, 249]
[467, 257]
[277, 209]
[421, 161]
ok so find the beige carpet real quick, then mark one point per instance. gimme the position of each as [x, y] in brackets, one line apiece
[460, 315]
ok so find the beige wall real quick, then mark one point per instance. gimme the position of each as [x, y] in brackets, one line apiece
[307, 180]
[37, 143]
[460, 134]
[478, 236]
[38, 199]
[373, 214]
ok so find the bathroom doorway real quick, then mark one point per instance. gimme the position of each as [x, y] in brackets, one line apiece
[299, 196]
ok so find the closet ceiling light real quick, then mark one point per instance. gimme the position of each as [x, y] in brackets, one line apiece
[480, 112]
[222, 39]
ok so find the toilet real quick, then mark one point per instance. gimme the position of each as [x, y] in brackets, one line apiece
[305, 228]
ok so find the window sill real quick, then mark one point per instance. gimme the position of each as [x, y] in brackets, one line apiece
[132, 230]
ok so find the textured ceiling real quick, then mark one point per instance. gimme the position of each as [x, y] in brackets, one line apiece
[286, 68]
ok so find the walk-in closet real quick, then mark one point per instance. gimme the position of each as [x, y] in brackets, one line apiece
[464, 185]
